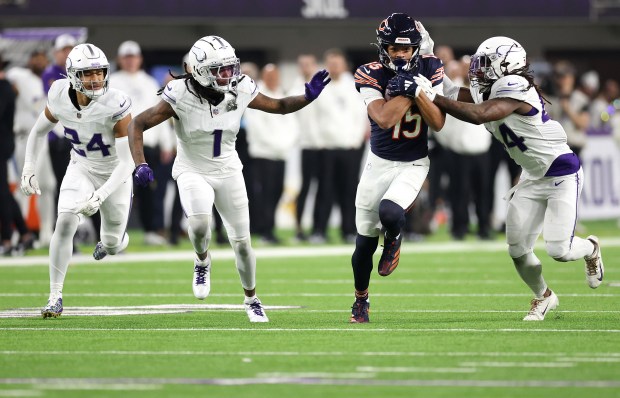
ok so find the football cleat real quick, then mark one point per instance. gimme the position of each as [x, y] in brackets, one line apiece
[99, 251]
[201, 284]
[594, 265]
[53, 309]
[359, 311]
[390, 256]
[255, 310]
[540, 307]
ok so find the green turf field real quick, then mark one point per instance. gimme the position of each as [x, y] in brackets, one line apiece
[447, 323]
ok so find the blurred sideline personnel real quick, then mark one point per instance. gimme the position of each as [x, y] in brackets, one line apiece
[30, 102]
[510, 105]
[9, 209]
[158, 144]
[398, 162]
[271, 138]
[311, 144]
[97, 178]
[343, 126]
[207, 105]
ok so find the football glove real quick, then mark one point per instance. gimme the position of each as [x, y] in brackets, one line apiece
[425, 86]
[91, 205]
[143, 175]
[316, 85]
[29, 183]
[427, 44]
[401, 84]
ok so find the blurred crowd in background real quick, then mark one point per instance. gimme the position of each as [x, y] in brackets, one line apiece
[302, 169]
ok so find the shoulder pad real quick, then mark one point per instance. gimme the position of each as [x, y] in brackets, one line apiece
[511, 86]
[367, 76]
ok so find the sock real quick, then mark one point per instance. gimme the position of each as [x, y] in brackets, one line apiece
[249, 300]
[529, 269]
[361, 295]
[361, 260]
[61, 249]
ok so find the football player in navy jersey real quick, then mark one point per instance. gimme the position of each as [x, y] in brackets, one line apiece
[504, 97]
[400, 116]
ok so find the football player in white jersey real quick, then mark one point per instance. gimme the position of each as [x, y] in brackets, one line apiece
[504, 97]
[206, 105]
[95, 119]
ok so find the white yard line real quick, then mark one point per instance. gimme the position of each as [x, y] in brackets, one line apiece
[352, 329]
[413, 369]
[585, 295]
[280, 252]
[138, 382]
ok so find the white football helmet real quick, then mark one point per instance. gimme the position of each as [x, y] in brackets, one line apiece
[496, 57]
[213, 63]
[85, 57]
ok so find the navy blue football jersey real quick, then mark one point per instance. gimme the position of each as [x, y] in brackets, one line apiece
[408, 139]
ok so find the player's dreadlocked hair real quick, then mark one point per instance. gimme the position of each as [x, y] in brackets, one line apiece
[212, 96]
[526, 73]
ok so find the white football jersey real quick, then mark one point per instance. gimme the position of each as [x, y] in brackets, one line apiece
[534, 141]
[206, 133]
[90, 129]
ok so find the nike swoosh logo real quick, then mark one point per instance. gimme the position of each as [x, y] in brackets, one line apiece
[545, 310]
[558, 183]
[169, 88]
[366, 70]
[512, 84]
[123, 103]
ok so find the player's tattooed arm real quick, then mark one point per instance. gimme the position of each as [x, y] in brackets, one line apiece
[144, 121]
[278, 105]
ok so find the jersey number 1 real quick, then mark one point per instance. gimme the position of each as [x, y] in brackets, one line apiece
[217, 143]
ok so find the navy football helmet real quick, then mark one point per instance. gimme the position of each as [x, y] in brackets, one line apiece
[398, 29]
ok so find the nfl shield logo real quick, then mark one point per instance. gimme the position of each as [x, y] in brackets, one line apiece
[79, 115]
[216, 111]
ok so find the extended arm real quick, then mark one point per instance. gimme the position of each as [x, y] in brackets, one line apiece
[37, 136]
[291, 104]
[487, 111]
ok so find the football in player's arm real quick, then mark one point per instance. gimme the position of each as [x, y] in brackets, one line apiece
[504, 97]
[400, 117]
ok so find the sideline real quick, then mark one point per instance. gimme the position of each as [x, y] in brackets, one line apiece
[279, 252]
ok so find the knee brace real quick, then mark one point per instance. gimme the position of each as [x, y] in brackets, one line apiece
[199, 231]
[392, 217]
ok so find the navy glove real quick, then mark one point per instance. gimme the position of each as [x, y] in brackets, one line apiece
[143, 175]
[317, 84]
[402, 84]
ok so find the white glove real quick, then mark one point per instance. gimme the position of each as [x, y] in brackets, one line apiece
[89, 206]
[29, 183]
[427, 44]
[424, 86]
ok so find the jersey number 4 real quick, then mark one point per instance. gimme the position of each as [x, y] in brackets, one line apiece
[412, 122]
[95, 144]
[511, 139]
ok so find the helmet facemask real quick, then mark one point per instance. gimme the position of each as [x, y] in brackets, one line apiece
[213, 64]
[398, 30]
[83, 58]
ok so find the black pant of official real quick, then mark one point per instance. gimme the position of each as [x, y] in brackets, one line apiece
[469, 182]
[268, 179]
[310, 169]
[338, 179]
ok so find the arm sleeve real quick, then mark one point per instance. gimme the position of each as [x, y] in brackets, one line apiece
[122, 170]
[36, 138]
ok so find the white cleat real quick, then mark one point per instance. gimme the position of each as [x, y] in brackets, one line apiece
[255, 310]
[201, 284]
[594, 265]
[540, 307]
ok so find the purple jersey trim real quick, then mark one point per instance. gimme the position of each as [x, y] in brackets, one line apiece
[563, 165]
